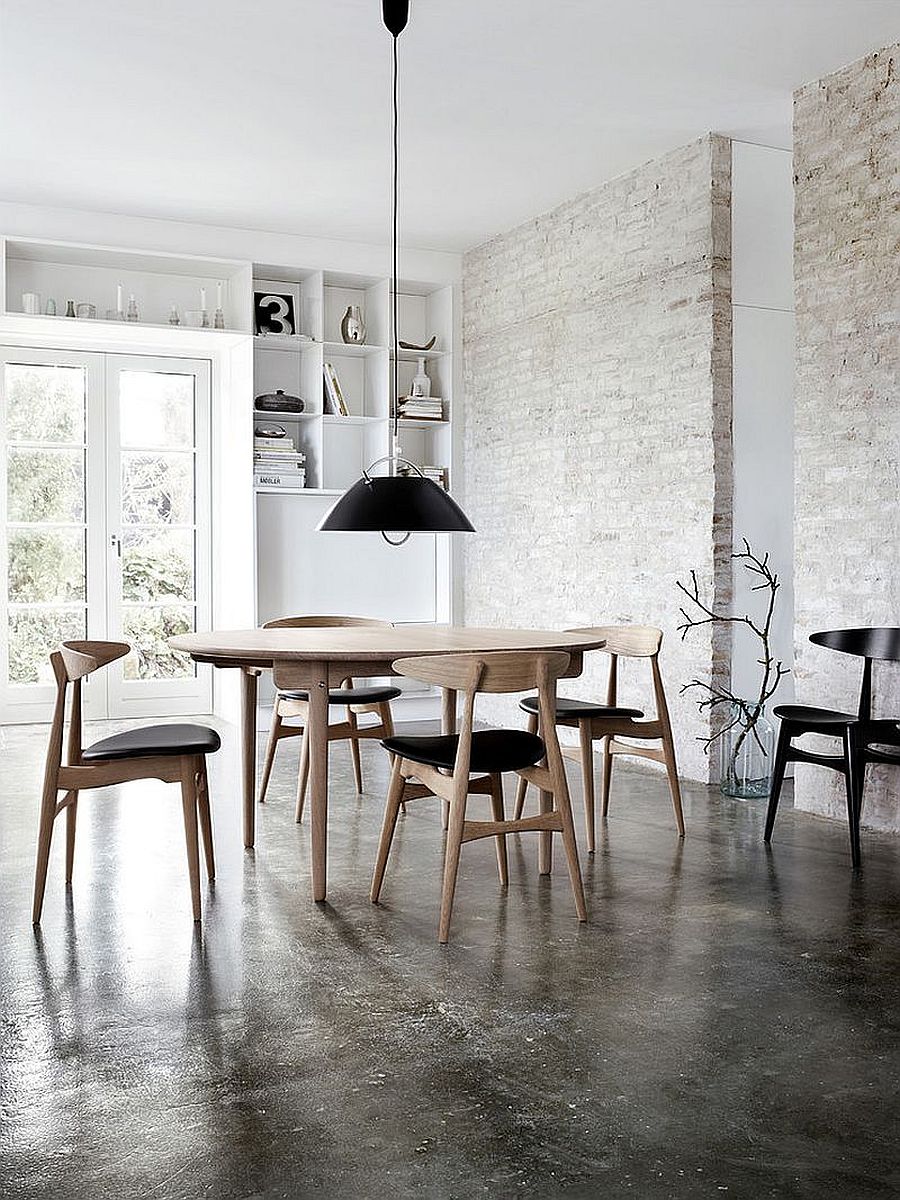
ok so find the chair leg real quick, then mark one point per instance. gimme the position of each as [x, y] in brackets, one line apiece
[387, 724]
[271, 745]
[71, 819]
[778, 767]
[522, 787]
[205, 819]
[302, 774]
[587, 774]
[353, 722]
[851, 778]
[499, 815]
[189, 807]
[451, 857]
[564, 807]
[391, 809]
[606, 780]
[668, 746]
[45, 836]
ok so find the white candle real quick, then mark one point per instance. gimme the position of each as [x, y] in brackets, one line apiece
[203, 299]
[120, 296]
[219, 295]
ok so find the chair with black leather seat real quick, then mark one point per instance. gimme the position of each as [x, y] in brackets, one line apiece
[857, 731]
[611, 722]
[458, 765]
[172, 753]
[356, 700]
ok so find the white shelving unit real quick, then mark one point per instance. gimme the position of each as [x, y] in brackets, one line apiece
[269, 559]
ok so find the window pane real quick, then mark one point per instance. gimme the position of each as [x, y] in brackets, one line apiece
[46, 566]
[156, 409]
[157, 489]
[34, 634]
[45, 404]
[157, 564]
[148, 630]
[46, 485]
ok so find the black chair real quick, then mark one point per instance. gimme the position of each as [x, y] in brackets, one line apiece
[860, 735]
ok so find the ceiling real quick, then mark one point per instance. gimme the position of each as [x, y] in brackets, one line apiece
[275, 115]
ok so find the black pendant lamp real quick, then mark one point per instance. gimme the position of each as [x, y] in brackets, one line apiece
[403, 499]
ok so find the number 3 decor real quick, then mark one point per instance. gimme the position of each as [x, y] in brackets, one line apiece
[273, 312]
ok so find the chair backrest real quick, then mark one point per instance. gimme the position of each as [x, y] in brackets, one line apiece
[628, 641]
[881, 642]
[316, 622]
[71, 662]
[870, 643]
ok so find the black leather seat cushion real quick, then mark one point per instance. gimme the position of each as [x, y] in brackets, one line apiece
[580, 708]
[492, 750]
[813, 718]
[153, 740]
[354, 695]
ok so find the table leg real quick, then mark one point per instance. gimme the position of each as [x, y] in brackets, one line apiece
[545, 837]
[448, 725]
[248, 752]
[318, 775]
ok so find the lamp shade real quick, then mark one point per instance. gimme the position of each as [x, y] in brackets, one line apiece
[396, 504]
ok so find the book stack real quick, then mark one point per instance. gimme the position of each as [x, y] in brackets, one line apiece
[334, 397]
[437, 474]
[277, 464]
[421, 408]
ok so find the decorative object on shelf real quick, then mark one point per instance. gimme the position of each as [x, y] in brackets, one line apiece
[120, 302]
[273, 312]
[421, 384]
[333, 392]
[174, 318]
[87, 312]
[51, 307]
[205, 322]
[746, 739]
[277, 401]
[195, 318]
[131, 312]
[413, 346]
[395, 502]
[219, 315]
[70, 308]
[353, 327]
[413, 408]
[277, 432]
[31, 303]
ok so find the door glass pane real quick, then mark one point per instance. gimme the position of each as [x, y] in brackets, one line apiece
[158, 519]
[157, 488]
[158, 563]
[44, 403]
[45, 513]
[156, 409]
[34, 633]
[45, 485]
[148, 628]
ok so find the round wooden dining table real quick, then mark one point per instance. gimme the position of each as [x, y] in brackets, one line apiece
[319, 659]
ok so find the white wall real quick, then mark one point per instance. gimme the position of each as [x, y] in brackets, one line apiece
[763, 405]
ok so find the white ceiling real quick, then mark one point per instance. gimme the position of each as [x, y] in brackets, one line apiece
[275, 114]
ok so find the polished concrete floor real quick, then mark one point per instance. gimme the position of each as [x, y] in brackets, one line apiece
[725, 1025]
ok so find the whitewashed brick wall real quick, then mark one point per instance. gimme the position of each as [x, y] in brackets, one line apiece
[598, 420]
[847, 447]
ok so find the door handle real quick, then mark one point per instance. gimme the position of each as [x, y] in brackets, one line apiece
[116, 543]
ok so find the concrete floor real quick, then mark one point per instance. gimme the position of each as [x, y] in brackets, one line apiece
[725, 1025]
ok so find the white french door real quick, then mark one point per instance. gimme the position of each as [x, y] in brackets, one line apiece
[106, 522]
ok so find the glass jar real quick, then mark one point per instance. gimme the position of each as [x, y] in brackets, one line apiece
[747, 752]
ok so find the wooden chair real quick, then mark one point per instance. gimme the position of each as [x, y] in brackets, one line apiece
[356, 700]
[859, 734]
[609, 722]
[172, 753]
[445, 765]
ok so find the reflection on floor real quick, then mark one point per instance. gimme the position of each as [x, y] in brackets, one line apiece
[726, 1024]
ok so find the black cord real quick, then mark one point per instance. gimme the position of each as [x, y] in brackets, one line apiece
[395, 338]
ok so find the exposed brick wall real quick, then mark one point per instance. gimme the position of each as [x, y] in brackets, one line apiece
[847, 448]
[598, 420]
